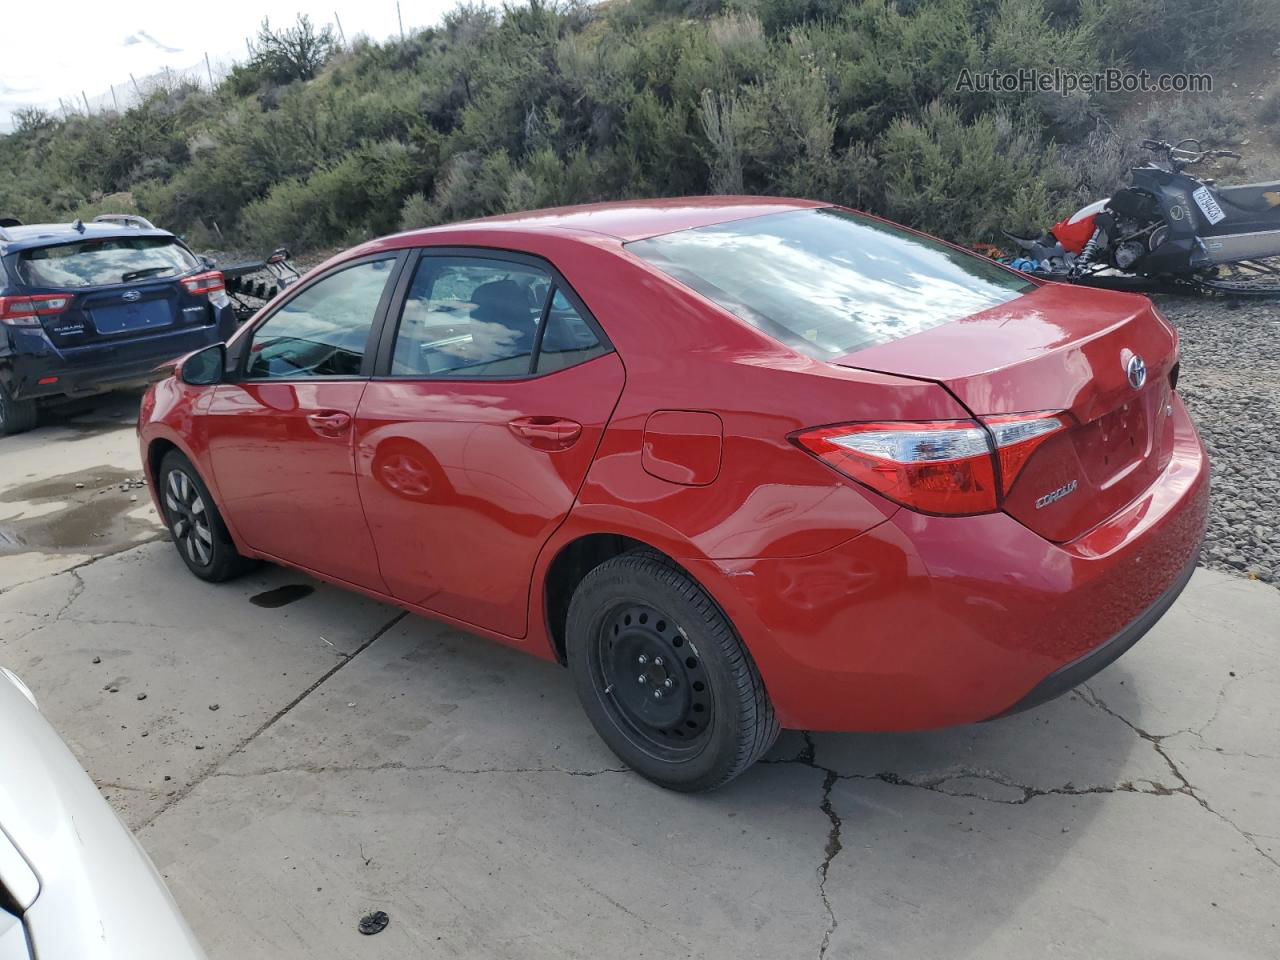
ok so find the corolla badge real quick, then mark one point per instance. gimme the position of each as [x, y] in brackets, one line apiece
[1055, 495]
[1136, 368]
[131, 296]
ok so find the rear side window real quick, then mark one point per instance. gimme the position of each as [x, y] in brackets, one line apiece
[94, 263]
[475, 317]
[567, 339]
[829, 282]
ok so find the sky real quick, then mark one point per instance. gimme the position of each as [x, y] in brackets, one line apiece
[72, 48]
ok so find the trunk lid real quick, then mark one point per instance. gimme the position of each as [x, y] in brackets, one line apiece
[1055, 349]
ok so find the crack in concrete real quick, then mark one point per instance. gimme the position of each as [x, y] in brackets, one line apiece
[184, 792]
[399, 765]
[807, 757]
[15, 637]
[123, 548]
[1185, 786]
[938, 784]
[77, 589]
[107, 785]
[829, 853]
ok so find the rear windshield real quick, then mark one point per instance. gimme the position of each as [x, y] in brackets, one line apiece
[828, 282]
[93, 263]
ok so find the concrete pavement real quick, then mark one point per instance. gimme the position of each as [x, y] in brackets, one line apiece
[362, 759]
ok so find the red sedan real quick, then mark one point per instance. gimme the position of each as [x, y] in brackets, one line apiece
[739, 463]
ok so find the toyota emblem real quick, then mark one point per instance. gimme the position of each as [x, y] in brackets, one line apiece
[132, 296]
[1137, 371]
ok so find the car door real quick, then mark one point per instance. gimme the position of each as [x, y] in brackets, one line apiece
[281, 435]
[493, 388]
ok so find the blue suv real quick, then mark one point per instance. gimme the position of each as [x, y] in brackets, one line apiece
[85, 307]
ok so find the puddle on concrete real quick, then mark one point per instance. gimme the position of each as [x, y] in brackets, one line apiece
[91, 513]
[90, 482]
[280, 596]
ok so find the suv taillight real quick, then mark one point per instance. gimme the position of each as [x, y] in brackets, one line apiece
[210, 284]
[205, 282]
[27, 311]
[950, 467]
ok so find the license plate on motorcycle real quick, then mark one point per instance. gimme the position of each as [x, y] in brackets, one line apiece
[1208, 205]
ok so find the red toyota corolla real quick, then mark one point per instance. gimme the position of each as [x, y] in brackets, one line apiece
[740, 463]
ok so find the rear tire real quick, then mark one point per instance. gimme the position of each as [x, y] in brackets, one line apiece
[663, 676]
[16, 416]
[194, 523]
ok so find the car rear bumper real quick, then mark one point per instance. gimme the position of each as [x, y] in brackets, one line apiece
[32, 368]
[926, 622]
[1081, 669]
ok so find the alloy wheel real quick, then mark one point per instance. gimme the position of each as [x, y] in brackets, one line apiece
[188, 518]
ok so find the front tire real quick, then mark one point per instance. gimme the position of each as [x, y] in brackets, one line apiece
[16, 416]
[195, 524]
[663, 676]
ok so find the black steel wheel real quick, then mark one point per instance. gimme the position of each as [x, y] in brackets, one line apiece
[663, 676]
[656, 679]
[194, 522]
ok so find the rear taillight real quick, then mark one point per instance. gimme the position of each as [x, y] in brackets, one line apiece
[27, 311]
[954, 467]
[210, 284]
[1017, 437]
[205, 282]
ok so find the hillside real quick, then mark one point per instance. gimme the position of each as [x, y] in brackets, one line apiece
[315, 144]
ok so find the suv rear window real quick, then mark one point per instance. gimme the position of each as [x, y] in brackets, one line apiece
[828, 282]
[94, 263]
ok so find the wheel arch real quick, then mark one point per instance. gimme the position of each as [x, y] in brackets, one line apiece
[156, 451]
[578, 556]
[158, 445]
[571, 563]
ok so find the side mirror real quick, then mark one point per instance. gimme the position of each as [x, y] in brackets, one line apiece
[205, 367]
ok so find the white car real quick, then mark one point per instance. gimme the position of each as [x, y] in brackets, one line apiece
[74, 883]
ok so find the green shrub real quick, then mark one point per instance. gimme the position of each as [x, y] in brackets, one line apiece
[542, 104]
[1268, 108]
[968, 179]
[357, 197]
[1214, 121]
[1179, 35]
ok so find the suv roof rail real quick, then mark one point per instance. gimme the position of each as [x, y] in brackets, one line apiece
[125, 220]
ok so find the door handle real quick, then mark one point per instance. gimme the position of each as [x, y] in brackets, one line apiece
[329, 421]
[547, 432]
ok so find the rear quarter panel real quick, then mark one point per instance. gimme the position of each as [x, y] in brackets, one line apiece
[682, 353]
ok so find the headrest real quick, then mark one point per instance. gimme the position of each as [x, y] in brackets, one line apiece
[501, 294]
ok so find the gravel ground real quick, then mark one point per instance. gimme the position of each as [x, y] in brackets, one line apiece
[1230, 380]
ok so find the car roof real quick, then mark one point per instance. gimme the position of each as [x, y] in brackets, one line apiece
[630, 220]
[32, 235]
